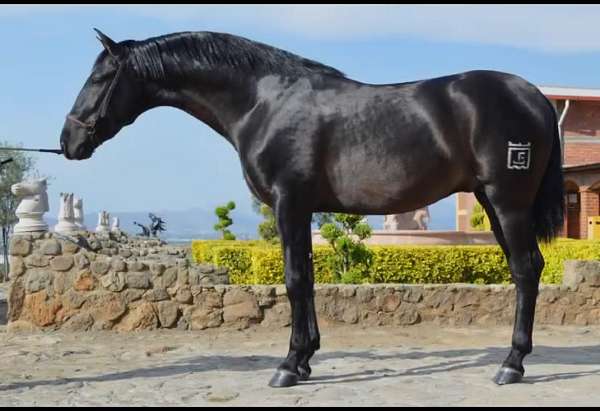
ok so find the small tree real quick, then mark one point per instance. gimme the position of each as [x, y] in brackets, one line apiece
[20, 168]
[479, 219]
[225, 221]
[351, 259]
[267, 229]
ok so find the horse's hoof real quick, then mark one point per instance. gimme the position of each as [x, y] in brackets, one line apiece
[304, 372]
[283, 378]
[506, 375]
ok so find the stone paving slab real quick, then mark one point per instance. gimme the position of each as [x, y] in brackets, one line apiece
[418, 365]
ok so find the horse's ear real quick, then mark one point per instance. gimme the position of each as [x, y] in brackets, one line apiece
[113, 48]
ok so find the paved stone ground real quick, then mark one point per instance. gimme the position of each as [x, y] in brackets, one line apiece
[418, 365]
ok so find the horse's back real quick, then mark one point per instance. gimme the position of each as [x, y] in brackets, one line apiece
[372, 149]
[448, 134]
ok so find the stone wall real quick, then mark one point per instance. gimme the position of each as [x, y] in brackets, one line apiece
[58, 285]
[102, 282]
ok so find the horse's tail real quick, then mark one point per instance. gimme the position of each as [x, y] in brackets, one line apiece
[548, 207]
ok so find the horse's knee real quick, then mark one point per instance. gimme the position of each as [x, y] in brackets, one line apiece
[297, 285]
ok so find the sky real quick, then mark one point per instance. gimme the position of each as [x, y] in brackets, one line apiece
[167, 160]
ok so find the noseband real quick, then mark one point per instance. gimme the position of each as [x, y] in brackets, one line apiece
[90, 126]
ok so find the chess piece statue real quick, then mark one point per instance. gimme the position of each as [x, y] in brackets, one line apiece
[115, 225]
[421, 217]
[78, 209]
[33, 205]
[66, 215]
[103, 219]
[412, 220]
[389, 222]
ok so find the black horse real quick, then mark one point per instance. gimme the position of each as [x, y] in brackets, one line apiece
[312, 140]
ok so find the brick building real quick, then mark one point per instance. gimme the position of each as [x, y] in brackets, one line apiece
[579, 121]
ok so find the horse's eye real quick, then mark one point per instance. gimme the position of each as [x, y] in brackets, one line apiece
[97, 79]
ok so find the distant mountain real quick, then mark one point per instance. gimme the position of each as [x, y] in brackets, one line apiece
[180, 224]
[197, 223]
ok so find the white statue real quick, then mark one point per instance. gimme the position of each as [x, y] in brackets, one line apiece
[66, 215]
[78, 209]
[421, 217]
[103, 219]
[32, 207]
[115, 225]
[412, 220]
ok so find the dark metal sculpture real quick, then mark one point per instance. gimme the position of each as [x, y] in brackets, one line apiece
[145, 230]
[312, 140]
[157, 224]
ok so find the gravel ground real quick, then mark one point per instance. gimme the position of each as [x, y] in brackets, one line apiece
[418, 365]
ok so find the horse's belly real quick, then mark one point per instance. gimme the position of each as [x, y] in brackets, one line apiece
[383, 187]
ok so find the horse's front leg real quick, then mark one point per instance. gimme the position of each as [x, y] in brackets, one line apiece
[294, 229]
[313, 330]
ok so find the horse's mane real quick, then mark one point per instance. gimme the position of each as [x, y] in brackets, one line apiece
[181, 53]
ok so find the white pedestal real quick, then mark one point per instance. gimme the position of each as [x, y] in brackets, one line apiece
[30, 223]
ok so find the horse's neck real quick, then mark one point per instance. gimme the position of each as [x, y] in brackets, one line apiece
[221, 107]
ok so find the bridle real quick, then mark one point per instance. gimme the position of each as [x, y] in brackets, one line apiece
[90, 126]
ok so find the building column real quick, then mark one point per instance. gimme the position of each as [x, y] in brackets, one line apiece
[589, 208]
[464, 208]
[565, 228]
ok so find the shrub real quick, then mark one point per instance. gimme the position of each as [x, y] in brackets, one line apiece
[566, 249]
[439, 264]
[258, 262]
[351, 258]
[267, 229]
[225, 221]
[479, 218]
[203, 250]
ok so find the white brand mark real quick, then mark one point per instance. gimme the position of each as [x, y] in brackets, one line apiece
[519, 156]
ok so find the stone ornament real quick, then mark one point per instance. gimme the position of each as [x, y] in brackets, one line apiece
[103, 221]
[115, 225]
[412, 220]
[421, 217]
[32, 207]
[78, 209]
[66, 215]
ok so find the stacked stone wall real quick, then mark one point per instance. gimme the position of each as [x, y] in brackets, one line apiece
[57, 284]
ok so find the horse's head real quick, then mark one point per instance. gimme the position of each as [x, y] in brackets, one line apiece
[110, 99]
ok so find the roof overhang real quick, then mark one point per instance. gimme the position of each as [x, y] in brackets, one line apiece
[580, 168]
[571, 93]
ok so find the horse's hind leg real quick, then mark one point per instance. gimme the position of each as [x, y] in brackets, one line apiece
[526, 263]
[496, 228]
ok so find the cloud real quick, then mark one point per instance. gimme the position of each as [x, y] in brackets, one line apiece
[547, 28]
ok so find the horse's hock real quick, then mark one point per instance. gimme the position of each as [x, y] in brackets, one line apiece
[56, 284]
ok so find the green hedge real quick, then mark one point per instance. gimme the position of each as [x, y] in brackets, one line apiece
[257, 262]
